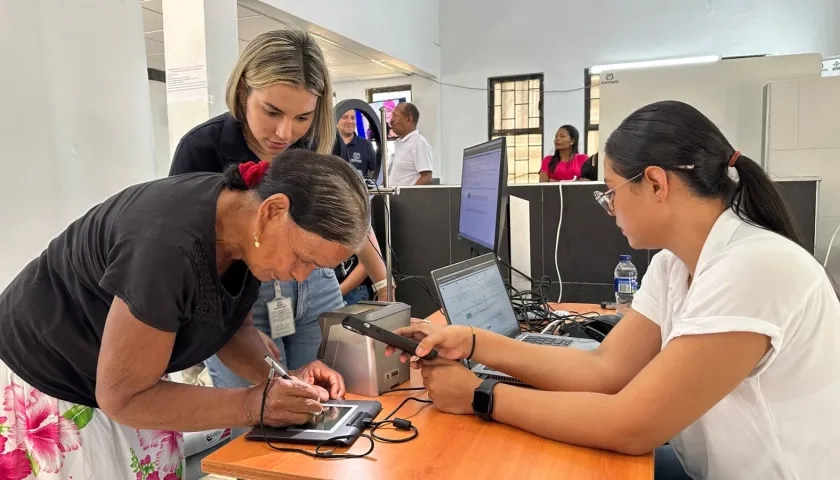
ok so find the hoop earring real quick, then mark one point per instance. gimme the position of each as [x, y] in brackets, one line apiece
[256, 241]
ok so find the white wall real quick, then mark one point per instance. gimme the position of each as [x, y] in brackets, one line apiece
[729, 92]
[561, 39]
[77, 125]
[803, 132]
[404, 29]
[425, 94]
[160, 128]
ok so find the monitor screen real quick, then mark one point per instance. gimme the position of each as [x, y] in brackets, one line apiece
[473, 294]
[482, 174]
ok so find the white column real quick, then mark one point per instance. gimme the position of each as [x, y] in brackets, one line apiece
[201, 46]
[76, 124]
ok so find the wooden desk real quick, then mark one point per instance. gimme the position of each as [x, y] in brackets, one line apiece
[448, 447]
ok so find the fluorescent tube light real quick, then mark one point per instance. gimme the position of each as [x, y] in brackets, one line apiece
[654, 63]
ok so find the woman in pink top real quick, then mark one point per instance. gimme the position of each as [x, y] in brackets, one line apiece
[566, 162]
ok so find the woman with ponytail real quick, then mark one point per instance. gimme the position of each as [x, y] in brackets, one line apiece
[154, 280]
[730, 350]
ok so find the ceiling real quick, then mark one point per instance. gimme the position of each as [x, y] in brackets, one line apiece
[344, 65]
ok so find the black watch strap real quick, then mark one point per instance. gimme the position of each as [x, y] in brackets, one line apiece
[483, 399]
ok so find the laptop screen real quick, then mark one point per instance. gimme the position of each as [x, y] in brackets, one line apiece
[473, 293]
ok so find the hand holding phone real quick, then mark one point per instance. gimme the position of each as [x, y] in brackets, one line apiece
[399, 342]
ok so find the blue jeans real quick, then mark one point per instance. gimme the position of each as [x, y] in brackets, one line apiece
[358, 294]
[317, 294]
[667, 466]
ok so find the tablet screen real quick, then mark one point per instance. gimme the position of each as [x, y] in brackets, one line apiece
[329, 420]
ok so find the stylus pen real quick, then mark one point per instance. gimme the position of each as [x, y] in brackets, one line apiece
[277, 368]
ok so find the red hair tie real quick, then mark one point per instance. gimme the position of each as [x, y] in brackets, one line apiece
[252, 172]
[734, 158]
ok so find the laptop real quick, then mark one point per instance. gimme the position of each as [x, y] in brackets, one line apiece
[473, 293]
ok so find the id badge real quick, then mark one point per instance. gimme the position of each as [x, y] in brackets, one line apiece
[281, 316]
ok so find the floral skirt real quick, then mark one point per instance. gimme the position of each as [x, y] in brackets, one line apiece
[49, 439]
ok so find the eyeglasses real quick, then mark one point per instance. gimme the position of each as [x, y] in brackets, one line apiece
[605, 199]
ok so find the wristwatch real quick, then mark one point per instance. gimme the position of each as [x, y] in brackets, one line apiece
[483, 399]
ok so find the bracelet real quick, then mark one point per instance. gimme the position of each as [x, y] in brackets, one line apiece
[380, 285]
[472, 350]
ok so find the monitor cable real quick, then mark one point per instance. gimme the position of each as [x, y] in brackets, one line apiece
[321, 450]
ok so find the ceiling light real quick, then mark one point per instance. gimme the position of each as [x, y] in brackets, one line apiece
[654, 63]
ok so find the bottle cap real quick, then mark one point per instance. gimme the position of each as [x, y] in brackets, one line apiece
[624, 258]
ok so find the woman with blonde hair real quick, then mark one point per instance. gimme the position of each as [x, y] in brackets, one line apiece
[279, 98]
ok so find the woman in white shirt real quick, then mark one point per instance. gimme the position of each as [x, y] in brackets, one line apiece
[731, 349]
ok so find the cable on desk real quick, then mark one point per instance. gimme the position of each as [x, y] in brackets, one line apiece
[398, 423]
[407, 389]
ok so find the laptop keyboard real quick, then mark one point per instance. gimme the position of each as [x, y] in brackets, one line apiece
[550, 341]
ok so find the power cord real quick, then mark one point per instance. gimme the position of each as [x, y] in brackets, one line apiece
[576, 320]
[557, 242]
[395, 270]
[398, 423]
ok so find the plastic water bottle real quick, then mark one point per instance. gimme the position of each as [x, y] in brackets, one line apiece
[625, 284]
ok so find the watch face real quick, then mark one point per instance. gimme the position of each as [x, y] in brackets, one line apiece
[481, 402]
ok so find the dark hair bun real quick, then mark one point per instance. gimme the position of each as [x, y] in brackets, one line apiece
[233, 179]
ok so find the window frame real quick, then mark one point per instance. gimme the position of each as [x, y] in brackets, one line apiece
[538, 130]
[491, 81]
[394, 88]
[588, 126]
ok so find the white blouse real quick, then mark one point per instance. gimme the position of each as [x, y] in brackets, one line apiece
[783, 421]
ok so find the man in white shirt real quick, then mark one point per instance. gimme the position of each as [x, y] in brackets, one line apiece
[411, 163]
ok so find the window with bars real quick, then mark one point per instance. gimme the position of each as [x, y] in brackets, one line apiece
[515, 111]
[592, 111]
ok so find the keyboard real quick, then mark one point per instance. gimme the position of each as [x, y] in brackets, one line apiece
[546, 340]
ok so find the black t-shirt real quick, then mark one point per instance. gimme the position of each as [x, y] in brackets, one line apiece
[218, 143]
[152, 245]
[589, 169]
[362, 155]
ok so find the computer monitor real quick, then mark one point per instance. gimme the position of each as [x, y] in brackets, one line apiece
[473, 293]
[483, 194]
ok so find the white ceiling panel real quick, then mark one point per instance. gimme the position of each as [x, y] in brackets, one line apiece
[253, 26]
[335, 76]
[366, 69]
[344, 64]
[156, 62]
[337, 57]
[153, 47]
[156, 36]
[152, 20]
[325, 45]
[378, 77]
[244, 12]
[154, 5]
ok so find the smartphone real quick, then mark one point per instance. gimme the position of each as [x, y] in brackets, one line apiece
[399, 342]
